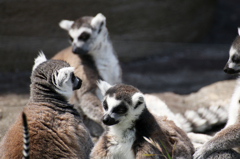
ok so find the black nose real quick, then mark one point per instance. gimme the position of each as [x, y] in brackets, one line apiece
[108, 120]
[225, 69]
[78, 84]
[228, 70]
[78, 50]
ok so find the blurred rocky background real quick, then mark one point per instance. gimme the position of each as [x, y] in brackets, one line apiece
[168, 47]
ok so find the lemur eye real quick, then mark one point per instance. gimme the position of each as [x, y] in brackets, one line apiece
[235, 59]
[70, 38]
[84, 36]
[120, 109]
[105, 105]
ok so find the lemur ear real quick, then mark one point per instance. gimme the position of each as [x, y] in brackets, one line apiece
[98, 22]
[40, 59]
[238, 30]
[103, 86]
[138, 98]
[62, 76]
[66, 24]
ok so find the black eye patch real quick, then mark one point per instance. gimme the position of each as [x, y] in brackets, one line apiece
[84, 36]
[105, 105]
[120, 109]
[236, 58]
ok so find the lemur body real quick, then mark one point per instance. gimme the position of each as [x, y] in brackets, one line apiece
[229, 137]
[55, 127]
[129, 121]
[93, 57]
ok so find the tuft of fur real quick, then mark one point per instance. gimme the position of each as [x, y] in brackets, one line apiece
[229, 137]
[55, 127]
[93, 57]
[40, 59]
[129, 122]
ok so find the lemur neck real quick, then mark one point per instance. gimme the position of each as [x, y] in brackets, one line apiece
[106, 61]
[233, 112]
[43, 92]
[122, 132]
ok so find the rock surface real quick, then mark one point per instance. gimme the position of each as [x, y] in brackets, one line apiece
[217, 94]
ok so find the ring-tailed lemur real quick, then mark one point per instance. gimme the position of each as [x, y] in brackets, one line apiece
[129, 122]
[55, 127]
[94, 58]
[25, 137]
[229, 137]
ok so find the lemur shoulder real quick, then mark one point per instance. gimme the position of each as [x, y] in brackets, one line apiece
[55, 127]
[129, 121]
[94, 58]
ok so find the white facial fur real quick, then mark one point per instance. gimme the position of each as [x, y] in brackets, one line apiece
[40, 59]
[98, 23]
[66, 24]
[239, 31]
[75, 33]
[63, 81]
[132, 114]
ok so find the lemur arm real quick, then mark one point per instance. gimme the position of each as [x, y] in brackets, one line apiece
[227, 138]
[91, 106]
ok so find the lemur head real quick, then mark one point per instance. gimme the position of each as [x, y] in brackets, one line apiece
[54, 75]
[85, 33]
[233, 64]
[122, 104]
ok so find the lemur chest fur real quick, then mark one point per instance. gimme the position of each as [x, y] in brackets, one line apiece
[234, 106]
[121, 144]
[107, 63]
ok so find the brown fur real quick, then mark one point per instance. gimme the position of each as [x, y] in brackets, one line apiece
[84, 98]
[55, 127]
[53, 134]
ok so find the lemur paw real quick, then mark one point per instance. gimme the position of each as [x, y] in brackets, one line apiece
[199, 154]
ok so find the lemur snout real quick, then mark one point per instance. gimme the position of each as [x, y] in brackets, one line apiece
[228, 70]
[78, 50]
[108, 120]
[78, 84]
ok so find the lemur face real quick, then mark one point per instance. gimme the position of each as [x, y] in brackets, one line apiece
[55, 74]
[85, 32]
[233, 64]
[122, 104]
[65, 81]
